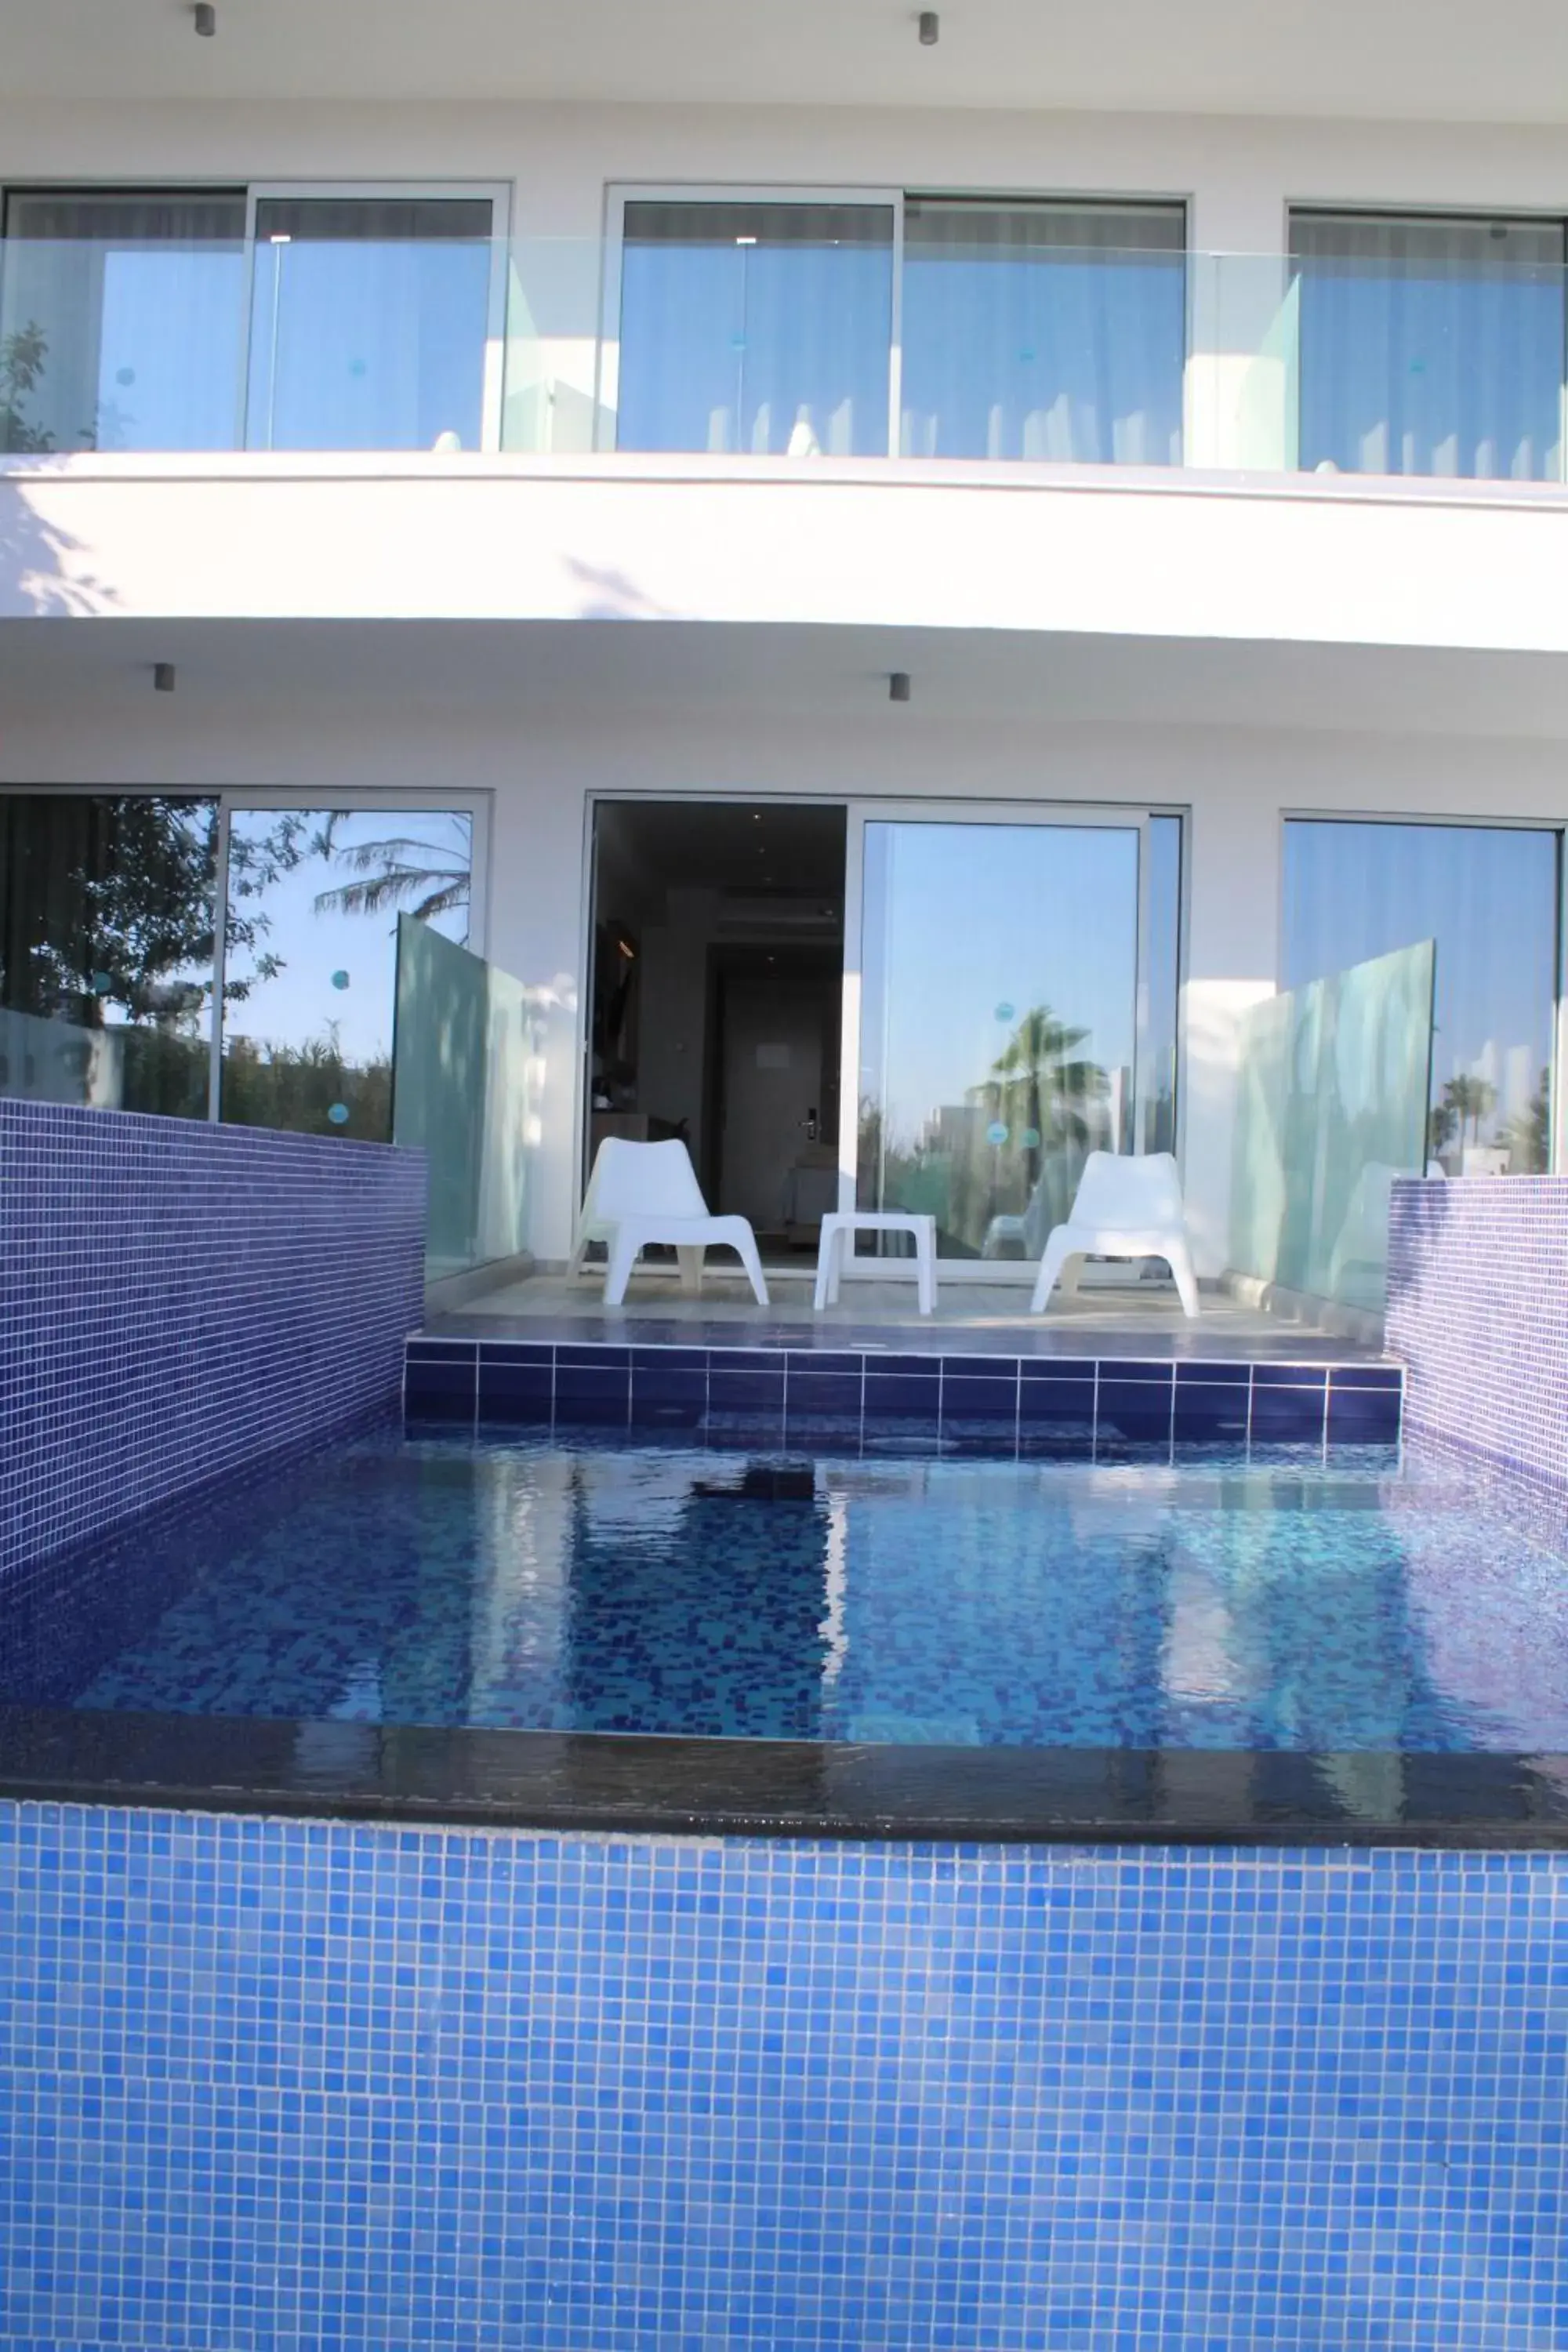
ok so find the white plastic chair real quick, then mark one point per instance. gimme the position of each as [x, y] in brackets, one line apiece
[1125, 1206]
[643, 1192]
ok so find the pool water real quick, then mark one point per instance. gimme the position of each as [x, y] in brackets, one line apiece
[1346, 1601]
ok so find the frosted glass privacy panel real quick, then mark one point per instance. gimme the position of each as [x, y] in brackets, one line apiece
[464, 1093]
[1331, 1107]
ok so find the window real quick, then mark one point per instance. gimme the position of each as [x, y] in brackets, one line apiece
[756, 327]
[189, 320]
[937, 326]
[369, 321]
[106, 948]
[1042, 330]
[110, 967]
[1489, 896]
[310, 961]
[1430, 346]
[122, 320]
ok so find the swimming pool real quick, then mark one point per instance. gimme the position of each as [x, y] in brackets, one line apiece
[1356, 1601]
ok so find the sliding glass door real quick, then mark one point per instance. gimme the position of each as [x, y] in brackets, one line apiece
[1004, 980]
[370, 322]
[756, 327]
[269, 319]
[1052, 331]
[873, 323]
[214, 955]
[1430, 346]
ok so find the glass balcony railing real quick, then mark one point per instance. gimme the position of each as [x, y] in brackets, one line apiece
[834, 341]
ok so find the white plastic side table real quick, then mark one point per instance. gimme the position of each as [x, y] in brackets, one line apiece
[839, 1230]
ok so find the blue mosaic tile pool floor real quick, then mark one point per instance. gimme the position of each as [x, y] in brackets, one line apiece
[1308, 1603]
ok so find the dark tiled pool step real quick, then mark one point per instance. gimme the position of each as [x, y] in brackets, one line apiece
[1056, 1405]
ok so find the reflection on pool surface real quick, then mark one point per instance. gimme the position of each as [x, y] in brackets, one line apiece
[1354, 1603]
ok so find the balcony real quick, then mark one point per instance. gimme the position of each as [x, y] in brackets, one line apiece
[645, 426]
[925, 329]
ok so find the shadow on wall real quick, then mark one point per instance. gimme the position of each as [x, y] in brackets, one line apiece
[611, 596]
[40, 576]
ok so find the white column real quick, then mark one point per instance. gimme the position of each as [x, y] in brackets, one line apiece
[536, 933]
[1241, 363]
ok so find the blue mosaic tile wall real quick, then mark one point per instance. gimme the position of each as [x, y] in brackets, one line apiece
[273, 2084]
[1477, 1309]
[1034, 1405]
[178, 1300]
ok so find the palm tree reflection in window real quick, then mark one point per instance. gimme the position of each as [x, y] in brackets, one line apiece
[1042, 1106]
[1468, 1100]
[397, 875]
[977, 1167]
[1045, 1092]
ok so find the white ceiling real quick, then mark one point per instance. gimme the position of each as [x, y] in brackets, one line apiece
[1432, 60]
[60, 675]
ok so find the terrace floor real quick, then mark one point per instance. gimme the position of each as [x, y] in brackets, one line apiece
[1123, 1319]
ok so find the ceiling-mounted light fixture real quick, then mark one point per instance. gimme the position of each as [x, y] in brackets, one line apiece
[205, 17]
[898, 686]
[162, 677]
[930, 29]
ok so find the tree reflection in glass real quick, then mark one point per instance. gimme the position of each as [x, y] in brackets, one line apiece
[999, 975]
[309, 1046]
[106, 948]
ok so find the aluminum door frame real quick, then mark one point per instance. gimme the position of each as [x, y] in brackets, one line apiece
[1068, 816]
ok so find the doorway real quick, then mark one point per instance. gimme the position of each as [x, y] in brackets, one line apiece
[774, 1063]
[989, 990]
[716, 1002]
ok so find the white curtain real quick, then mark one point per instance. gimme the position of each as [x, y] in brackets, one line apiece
[1044, 330]
[137, 302]
[758, 328]
[1430, 346]
[369, 323]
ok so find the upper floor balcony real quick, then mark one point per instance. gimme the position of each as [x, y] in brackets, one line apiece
[870, 338]
[859, 325]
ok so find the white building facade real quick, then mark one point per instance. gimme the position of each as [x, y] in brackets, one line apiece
[493, 431]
